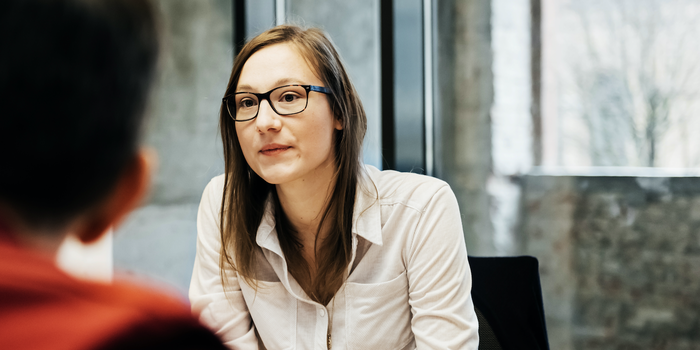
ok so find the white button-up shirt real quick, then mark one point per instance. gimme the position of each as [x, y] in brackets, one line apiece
[408, 284]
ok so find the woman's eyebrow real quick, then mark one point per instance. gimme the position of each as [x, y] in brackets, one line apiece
[278, 83]
[244, 88]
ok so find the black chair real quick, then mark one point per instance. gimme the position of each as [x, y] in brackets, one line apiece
[508, 301]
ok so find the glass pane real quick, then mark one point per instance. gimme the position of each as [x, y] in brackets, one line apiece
[354, 29]
[629, 82]
[408, 85]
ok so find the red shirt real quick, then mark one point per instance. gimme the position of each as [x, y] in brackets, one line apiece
[41, 307]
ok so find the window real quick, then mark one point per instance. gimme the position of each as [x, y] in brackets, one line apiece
[621, 83]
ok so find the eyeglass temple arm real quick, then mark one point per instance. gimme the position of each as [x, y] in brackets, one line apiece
[319, 89]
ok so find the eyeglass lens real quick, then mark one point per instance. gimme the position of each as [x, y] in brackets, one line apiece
[284, 100]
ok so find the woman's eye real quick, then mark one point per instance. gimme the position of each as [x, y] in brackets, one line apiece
[246, 103]
[289, 97]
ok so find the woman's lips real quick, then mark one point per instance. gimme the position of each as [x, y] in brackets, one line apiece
[274, 149]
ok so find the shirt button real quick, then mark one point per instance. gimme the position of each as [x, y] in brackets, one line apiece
[322, 312]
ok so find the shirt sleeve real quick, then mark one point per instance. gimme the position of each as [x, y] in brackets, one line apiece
[225, 313]
[440, 279]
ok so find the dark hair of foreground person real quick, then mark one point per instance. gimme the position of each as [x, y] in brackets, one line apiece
[74, 82]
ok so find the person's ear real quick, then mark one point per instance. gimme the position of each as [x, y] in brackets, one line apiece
[337, 119]
[128, 192]
[338, 124]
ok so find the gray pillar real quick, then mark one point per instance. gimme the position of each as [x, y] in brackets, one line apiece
[463, 137]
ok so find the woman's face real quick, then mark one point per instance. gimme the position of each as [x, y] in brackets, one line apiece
[293, 148]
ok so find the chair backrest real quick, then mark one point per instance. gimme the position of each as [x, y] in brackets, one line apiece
[508, 298]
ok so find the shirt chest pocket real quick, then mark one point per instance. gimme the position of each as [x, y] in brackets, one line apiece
[378, 314]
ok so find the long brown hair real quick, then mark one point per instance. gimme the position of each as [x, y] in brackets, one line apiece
[246, 193]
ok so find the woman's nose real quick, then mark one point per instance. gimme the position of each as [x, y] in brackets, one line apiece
[267, 119]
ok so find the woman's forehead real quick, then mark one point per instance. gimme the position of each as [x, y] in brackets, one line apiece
[273, 66]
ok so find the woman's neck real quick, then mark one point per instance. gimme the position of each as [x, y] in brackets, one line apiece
[305, 200]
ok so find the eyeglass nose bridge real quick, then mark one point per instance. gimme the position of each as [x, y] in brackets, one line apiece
[264, 97]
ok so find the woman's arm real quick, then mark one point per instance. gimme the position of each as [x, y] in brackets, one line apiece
[225, 313]
[440, 280]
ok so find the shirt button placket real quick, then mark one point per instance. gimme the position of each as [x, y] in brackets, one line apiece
[322, 328]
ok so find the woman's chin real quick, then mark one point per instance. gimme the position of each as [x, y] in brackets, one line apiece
[275, 177]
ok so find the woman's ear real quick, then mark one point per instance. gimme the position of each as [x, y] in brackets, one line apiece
[338, 123]
[126, 195]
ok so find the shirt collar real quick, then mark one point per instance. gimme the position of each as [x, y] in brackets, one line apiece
[367, 218]
[264, 236]
[367, 222]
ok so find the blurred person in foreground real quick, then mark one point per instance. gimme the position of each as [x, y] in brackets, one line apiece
[74, 80]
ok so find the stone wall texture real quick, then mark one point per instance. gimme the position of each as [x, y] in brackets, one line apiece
[620, 259]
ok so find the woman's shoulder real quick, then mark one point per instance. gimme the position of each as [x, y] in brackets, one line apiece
[215, 185]
[217, 181]
[213, 192]
[395, 185]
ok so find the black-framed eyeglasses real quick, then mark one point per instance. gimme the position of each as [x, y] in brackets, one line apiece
[284, 100]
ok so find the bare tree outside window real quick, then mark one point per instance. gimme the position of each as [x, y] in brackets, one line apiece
[629, 83]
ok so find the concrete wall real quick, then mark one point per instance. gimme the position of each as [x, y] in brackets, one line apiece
[465, 97]
[158, 240]
[620, 259]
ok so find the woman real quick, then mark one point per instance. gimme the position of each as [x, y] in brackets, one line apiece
[299, 245]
